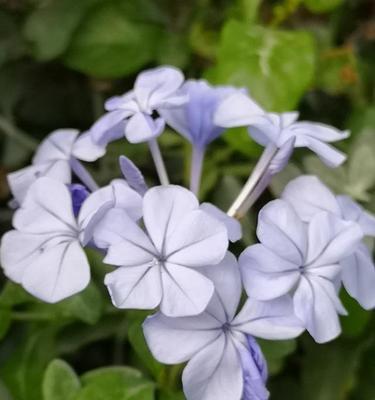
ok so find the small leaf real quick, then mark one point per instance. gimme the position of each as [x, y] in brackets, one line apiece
[322, 6]
[264, 60]
[60, 382]
[115, 383]
[5, 321]
[128, 45]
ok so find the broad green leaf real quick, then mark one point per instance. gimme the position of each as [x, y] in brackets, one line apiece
[361, 119]
[167, 50]
[86, 306]
[5, 321]
[329, 370]
[115, 383]
[14, 294]
[60, 381]
[168, 395]
[23, 370]
[322, 6]
[128, 45]
[138, 343]
[50, 27]
[265, 61]
[238, 139]
[275, 353]
[356, 322]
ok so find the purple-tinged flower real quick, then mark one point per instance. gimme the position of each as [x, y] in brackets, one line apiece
[45, 252]
[133, 175]
[194, 120]
[79, 194]
[161, 267]
[265, 128]
[131, 113]
[309, 196]
[53, 159]
[303, 260]
[225, 362]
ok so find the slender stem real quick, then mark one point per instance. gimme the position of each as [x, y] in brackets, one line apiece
[80, 170]
[15, 133]
[246, 197]
[197, 158]
[158, 161]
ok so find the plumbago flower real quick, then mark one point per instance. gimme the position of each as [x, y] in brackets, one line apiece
[309, 196]
[276, 129]
[225, 362]
[55, 158]
[302, 260]
[160, 267]
[131, 113]
[45, 251]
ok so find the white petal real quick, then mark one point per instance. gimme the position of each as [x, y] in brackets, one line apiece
[331, 239]
[176, 118]
[59, 272]
[172, 204]
[176, 340]
[309, 196]
[57, 146]
[86, 149]
[228, 287]
[282, 231]
[235, 110]
[198, 240]
[215, 373]
[316, 308]
[142, 128]
[18, 250]
[153, 87]
[20, 181]
[272, 320]
[352, 211]
[116, 195]
[322, 132]
[233, 225]
[327, 153]
[358, 277]
[47, 209]
[135, 287]
[185, 291]
[265, 275]
[128, 244]
[101, 130]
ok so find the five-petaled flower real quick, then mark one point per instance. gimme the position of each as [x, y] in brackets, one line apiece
[309, 196]
[225, 362]
[161, 267]
[303, 260]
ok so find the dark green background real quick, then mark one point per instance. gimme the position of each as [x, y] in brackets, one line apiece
[60, 59]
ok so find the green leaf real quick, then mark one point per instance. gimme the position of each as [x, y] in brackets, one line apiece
[86, 306]
[264, 60]
[329, 370]
[4, 393]
[238, 139]
[138, 343]
[60, 382]
[356, 322]
[51, 27]
[128, 45]
[5, 321]
[168, 395]
[115, 383]
[14, 294]
[275, 353]
[23, 370]
[322, 6]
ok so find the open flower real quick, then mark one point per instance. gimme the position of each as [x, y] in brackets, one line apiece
[45, 251]
[309, 196]
[161, 267]
[53, 159]
[303, 260]
[131, 113]
[225, 362]
[239, 110]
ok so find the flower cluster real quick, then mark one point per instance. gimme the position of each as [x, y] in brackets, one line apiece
[171, 253]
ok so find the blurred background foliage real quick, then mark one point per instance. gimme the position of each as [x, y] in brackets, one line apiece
[59, 61]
